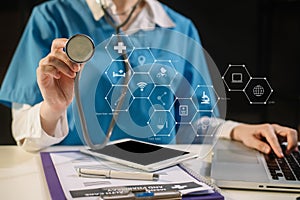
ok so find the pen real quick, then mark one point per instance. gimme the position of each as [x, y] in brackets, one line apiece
[117, 174]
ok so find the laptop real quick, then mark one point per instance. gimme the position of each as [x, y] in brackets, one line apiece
[239, 167]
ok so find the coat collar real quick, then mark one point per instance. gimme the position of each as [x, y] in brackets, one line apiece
[154, 12]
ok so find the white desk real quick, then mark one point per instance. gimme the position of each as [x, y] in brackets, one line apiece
[22, 177]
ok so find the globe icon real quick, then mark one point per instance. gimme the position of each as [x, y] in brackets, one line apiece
[258, 90]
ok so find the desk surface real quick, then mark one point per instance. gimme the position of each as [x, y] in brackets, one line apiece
[22, 177]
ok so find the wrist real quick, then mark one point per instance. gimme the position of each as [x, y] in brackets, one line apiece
[234, 133]
[51, 112]
[49, 117]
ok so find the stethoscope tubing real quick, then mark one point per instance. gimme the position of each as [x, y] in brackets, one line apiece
[113, 121]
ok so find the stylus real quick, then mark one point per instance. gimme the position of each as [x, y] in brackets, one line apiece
[117, 174]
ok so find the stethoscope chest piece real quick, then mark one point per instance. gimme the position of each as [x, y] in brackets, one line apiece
[80, 48]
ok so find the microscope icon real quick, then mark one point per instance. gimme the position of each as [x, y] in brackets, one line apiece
[205, 99]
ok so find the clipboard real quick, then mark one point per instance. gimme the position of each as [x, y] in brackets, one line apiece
[57, 192]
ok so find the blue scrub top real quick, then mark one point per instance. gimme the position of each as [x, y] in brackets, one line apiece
[63, 19]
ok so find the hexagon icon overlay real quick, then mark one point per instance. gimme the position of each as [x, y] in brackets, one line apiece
[117, 94]
[203, 98]
[162, 72]
[150, 97]
[117, 73]
[119, 47]
[236, 77]
[162, 123]
[141, 60]
[258, 91]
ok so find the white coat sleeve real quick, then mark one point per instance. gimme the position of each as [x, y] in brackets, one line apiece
[27, 129]
[225, 128]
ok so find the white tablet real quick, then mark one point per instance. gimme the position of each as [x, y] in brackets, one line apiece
[141, 155]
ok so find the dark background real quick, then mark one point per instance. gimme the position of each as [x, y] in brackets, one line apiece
[262, 34]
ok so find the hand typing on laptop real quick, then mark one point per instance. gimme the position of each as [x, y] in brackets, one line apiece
[266, 137]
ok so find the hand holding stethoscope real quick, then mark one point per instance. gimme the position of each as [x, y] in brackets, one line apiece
[56, 74]
[55, 78]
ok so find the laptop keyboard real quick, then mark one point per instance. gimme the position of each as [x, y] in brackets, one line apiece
[287, 167]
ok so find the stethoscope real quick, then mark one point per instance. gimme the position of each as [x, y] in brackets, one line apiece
[80, 48]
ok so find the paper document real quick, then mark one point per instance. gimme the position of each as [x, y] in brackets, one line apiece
[67, 163]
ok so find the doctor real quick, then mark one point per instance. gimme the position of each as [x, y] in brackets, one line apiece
[39, 84]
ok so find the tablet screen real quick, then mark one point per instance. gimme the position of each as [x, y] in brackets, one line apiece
[139, 152]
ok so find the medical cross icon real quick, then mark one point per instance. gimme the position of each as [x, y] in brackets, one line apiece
[120, 47]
